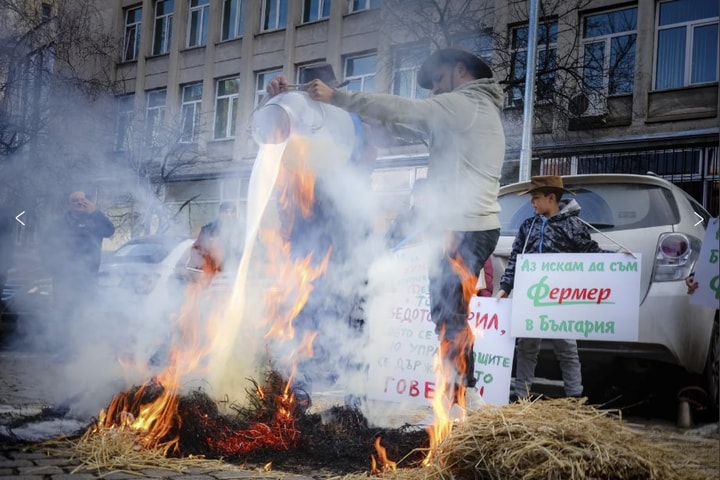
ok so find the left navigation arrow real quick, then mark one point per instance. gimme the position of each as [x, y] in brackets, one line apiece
[17, 217]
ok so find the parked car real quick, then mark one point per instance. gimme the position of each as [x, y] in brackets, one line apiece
[657, 219]
[151, 268]
[28, 289]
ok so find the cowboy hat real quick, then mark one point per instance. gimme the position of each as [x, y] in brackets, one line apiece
[545, 182]
[452, 55]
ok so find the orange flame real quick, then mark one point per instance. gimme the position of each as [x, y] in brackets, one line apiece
[450, 365]
[386, 465]
[152, 409]
[296, 277]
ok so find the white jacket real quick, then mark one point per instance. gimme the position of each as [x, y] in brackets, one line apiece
[466, 142]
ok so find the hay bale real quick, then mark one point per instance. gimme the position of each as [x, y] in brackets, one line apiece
[548, 439]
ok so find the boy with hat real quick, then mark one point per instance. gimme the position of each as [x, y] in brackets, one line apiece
[556, 228]
[462, 127]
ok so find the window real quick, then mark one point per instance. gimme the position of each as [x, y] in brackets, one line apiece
[314, 10]
[131, 42]
[226, 99]
[163, 26]
[687, 43]
[609, 51]
[154, 116]
[198, 23]
[233, 19]
[191, 108]
[407, 62]
[481, 45]
[358, 5]
[360, 73]
[261, 81]
[274, 15]
[125, 111]
[545, 66]
[45, 12]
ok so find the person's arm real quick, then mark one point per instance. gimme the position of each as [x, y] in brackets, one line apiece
[102, 225]
[453, 111]
[579, 237]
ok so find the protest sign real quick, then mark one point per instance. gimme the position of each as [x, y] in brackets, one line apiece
[585, 296]
[403, 343]
[706, 271]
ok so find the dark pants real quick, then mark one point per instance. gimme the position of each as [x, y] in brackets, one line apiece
[448, 306]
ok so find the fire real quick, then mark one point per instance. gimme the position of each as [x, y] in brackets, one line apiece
[286, 299]
[449, 374]
[386, 465]
[151, 410]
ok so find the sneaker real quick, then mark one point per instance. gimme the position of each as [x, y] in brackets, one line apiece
[473, 400]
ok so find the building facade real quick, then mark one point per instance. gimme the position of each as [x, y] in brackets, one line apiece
[623, 87]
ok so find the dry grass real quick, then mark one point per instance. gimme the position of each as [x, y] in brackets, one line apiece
[545, 439]
[554, 439]
[115, 450]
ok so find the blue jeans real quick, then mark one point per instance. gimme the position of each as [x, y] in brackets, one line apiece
[448, 308]
[566, 352]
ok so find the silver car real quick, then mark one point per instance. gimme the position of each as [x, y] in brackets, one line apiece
[651, 216]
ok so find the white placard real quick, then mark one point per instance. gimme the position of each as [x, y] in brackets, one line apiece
[585, 296]
[403, 339]
[706, 271]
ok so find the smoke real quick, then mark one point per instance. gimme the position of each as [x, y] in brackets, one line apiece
[104, 340]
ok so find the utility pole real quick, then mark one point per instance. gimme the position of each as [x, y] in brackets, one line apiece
[529, 98]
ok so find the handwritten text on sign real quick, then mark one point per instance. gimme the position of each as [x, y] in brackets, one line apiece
[706, 272]
[404, 342]
[588, 296]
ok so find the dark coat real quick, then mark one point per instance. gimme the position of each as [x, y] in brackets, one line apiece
[75, 242]
[564, 232]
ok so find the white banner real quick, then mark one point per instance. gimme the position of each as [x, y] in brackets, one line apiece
[585, 296]
[706, 271]
[403, 341]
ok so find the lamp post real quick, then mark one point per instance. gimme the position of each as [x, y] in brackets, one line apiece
[528, 99]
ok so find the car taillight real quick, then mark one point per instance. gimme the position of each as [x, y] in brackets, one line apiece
[675, 256]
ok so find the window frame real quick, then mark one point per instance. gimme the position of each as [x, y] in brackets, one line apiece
[196, 105]
[231, 114]
[307, 11]
[167, 21]
[363, 77]
[607, 45]
[238, 22]
[260, 90]
[202, 26]
[279, 22]
[136, 29]
[154, 124]
[689, 26]
[518, 84]
[368, 5]
[416, 54]
[123, 121]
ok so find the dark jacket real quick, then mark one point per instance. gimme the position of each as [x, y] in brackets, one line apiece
[564, 232]
[75, 242]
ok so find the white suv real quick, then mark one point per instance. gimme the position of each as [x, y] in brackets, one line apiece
[651, 216]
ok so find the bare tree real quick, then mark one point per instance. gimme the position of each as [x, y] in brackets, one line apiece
[569, 72]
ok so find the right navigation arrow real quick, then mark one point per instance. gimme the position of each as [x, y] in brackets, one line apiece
[699, 221]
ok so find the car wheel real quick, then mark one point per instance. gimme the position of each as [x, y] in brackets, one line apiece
[712, 369]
